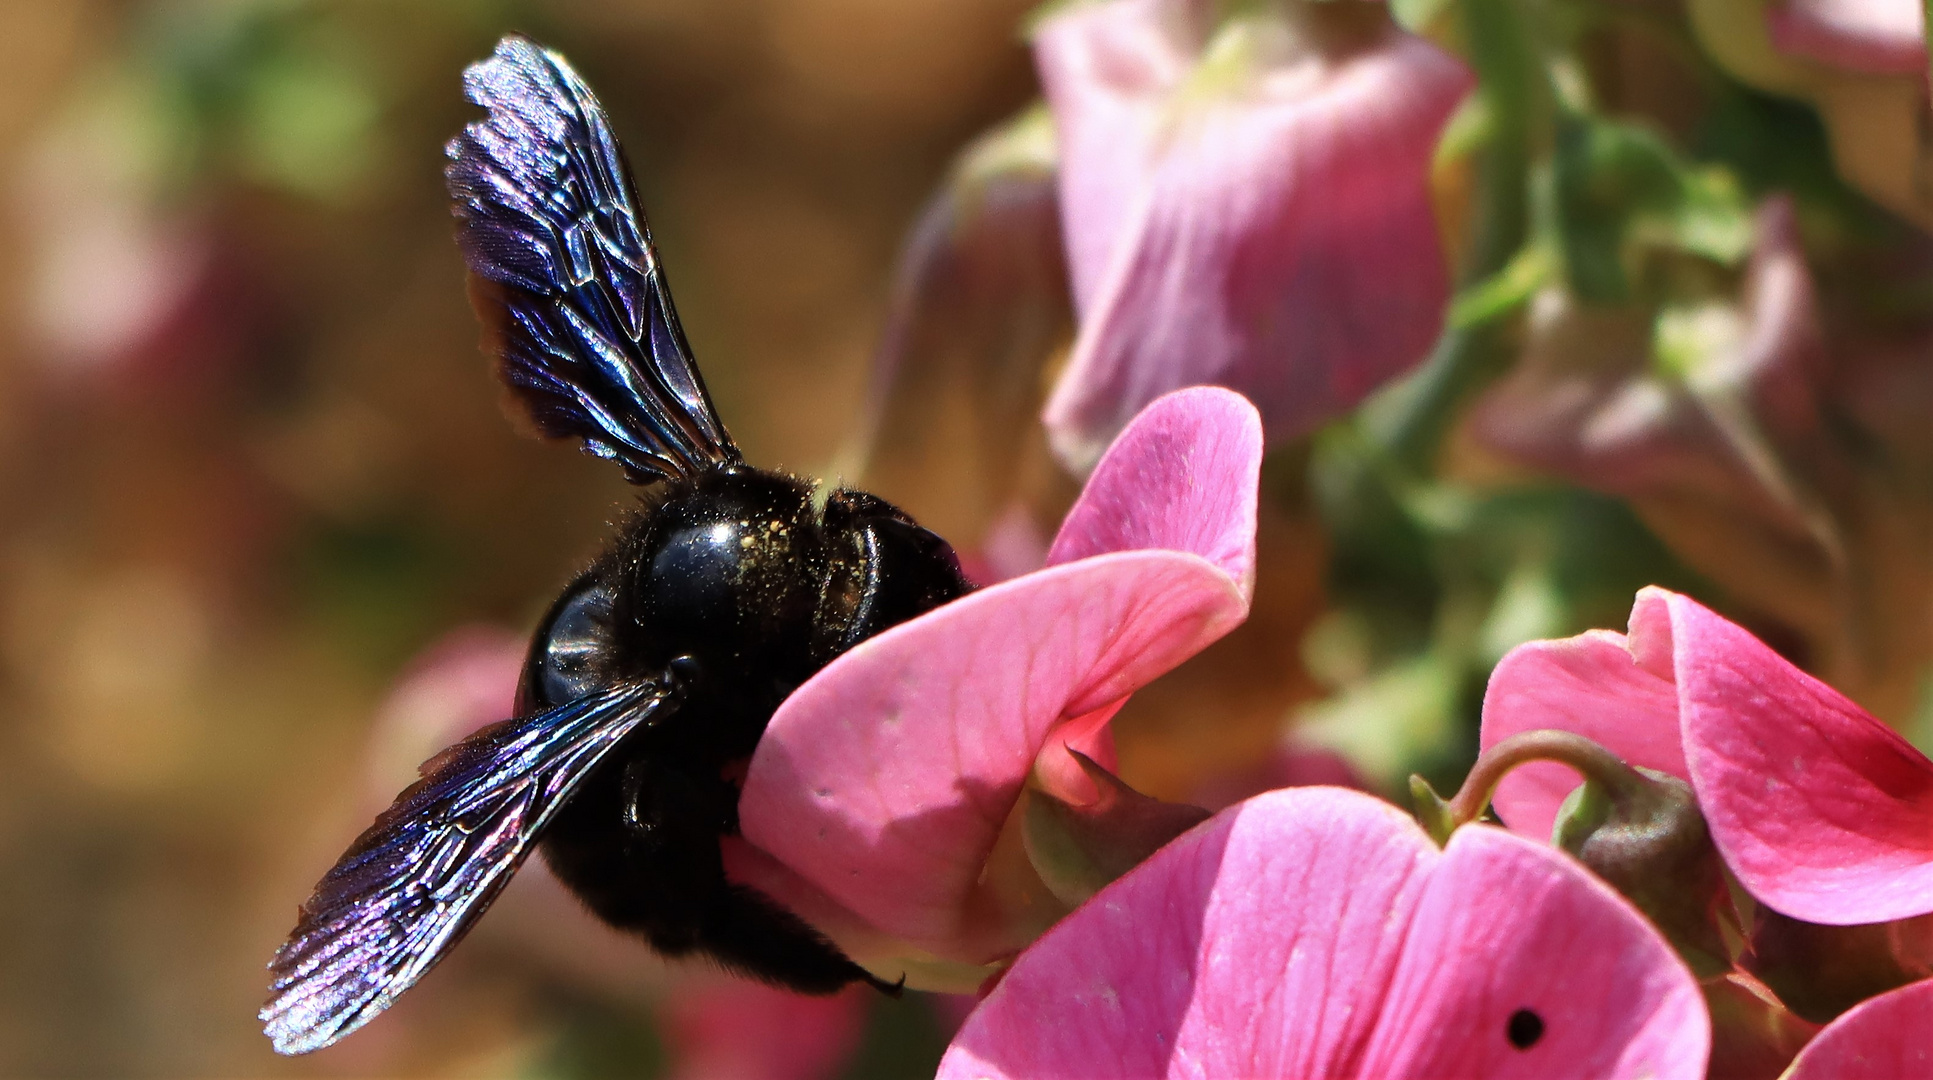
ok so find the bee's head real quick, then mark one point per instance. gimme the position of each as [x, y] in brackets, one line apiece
[882, 569]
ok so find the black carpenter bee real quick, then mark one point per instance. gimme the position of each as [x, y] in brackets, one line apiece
[655, 673]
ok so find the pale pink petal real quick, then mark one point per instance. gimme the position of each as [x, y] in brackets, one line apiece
[1506, 925]
[1781, 357]
[1012, 546]
[1718, 462]
[1315, 932]
[465, 680]
[1881, 37]
[1823, 812]
[1589, 684]
[857, 938]
[1279, 239]
[885, 779]
[1884, 1038]
[1106, 69]
[724, 1027]
[1181, 477]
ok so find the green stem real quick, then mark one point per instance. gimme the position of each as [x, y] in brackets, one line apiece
[1515, 90]
[1565, 747]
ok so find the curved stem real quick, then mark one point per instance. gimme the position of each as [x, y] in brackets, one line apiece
[1563, 747]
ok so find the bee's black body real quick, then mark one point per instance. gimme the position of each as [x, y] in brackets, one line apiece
[651, 679]
[747, 585]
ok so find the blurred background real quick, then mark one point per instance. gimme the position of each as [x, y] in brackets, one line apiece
[266, 540]
[252, 460]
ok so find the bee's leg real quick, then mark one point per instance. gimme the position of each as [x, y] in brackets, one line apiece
[639, 844]
[658, 801]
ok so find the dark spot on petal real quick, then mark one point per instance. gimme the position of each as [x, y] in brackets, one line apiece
[1524, 1029]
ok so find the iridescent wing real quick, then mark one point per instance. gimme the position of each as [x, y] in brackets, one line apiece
[565, 277]
[414, 882]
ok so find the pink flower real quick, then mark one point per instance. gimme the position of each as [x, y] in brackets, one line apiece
[729, 1027]
[1319, 932]
[1883, 37]
[1719, 459]
[1244, 205]
[878, 792]
[1861, 63]
[1883, 1038]
[1823, 813]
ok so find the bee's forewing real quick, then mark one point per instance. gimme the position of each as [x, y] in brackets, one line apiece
[416, 880]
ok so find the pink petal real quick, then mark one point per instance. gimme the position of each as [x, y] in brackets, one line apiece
[1884, 1038]
[726, 1027]
[1315, 932]
[1013, 545]
[1181, 477]
[1882, 37]
[1274, 234]
[1220, 955]
[1823, 812]
[1106, 69]
[1507, 925]
[1588, 684]
[1587, 402]
[885, 779]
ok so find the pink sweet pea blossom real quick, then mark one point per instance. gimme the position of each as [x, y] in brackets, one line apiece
[1861, 63]
[1883, 1038]
[1319, 932]
[876, 796]
[1824, 813]
[1723, 458]
[1882, 37]
[1245, 204]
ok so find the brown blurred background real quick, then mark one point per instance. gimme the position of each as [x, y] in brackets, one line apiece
[251, 461]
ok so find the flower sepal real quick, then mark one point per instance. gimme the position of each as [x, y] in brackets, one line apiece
[1753, 1032]
[1822, 971]
[1079, 847]
[1638, 829]
[1646, 838]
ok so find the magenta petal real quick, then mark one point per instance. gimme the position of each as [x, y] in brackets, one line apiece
[1881, 37]
[1589, 684]
[1272, 233]
[1507, 926]
[1182, 477]
[885, 779]
[1884, 1038]
[1823, 812]
[1259, 944]
[1315, 932]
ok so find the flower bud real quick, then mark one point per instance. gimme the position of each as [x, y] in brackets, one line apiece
[1645, 837]
[1821, 971]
